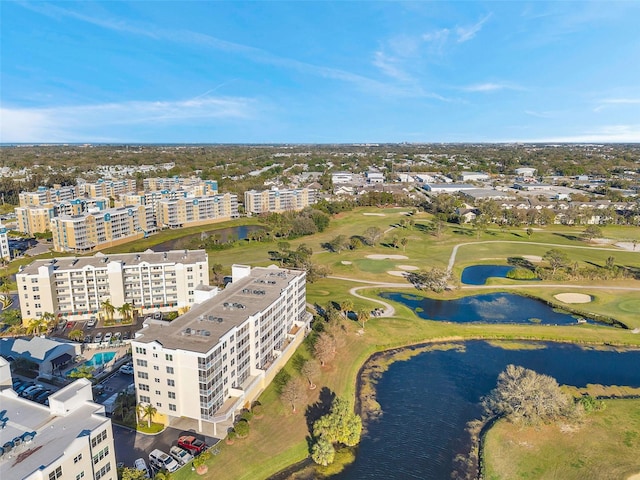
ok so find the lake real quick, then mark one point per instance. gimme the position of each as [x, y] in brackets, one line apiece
[225, 234]
[486, 308]
[428, 400]
[478, 274]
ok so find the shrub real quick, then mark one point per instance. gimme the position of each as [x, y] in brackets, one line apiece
[242, 429]
[519, 273]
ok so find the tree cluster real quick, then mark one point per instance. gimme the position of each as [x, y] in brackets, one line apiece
[341, 426]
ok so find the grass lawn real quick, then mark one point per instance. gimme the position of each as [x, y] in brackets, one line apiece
[604, 445]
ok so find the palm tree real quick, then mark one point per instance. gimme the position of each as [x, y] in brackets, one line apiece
[403, 242]
[346, 306]
[76, 335]
[36, 326]
[125, 310]
[108, 308]
[149, 411]
[50, 318]
[83, 371]
[362, 316]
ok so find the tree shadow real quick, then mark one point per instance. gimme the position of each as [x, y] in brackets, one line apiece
[521, 262]
[568, 237]
[467, 233]
[320, 408]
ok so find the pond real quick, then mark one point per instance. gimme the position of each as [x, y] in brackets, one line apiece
[225, 234]
[486, 308]
[478, 274]
[428, 400]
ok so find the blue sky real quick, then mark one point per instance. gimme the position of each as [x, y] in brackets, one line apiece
[319, 72]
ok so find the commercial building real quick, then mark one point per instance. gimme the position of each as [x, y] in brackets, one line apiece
[76, 287]
[192, 211]
[93, 230]
[70, 439]
[217, 358]
[472, 176]
[447, 187]
[278, 200]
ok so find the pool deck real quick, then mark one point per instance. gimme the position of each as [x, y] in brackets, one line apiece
[120, 353]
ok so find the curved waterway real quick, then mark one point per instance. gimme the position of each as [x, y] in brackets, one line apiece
[478, 274]
[428, 400]
[486, 308]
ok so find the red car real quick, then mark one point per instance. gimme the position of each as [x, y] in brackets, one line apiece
[192, 444]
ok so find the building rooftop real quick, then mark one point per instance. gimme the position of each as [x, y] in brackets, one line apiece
[201, 328]
[42, 435]
[101, 260]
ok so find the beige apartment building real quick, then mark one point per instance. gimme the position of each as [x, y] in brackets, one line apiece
[95, 230]
[76, 287]
[108, 188]
[192, 185]
[192, 211]
[37, 219]
[48, 195]
[4, 243]
[218, 357]
[69, 439]
[278, 200]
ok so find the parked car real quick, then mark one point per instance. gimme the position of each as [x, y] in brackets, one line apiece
[88, 338]
[126, 369]
[180, 454]
[107, 337]
[126, 335]
[140, 464]
[34, 393]
[162, 460]
[23, 387]
[92, 322]
[98, 338]
[42, 396]
[27, 391]
[70, 325]
[117, 336]
[192, 444]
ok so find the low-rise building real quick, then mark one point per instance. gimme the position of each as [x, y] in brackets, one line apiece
[69, 439]
[374, 177]
[473, 176]
[447, 187]
[220, 355]
[76, 287]
[48, 354]
[341, 177]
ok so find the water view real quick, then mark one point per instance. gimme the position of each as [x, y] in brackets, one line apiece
[486, 308]
[427, 401]
[478, 274]
[223, 234]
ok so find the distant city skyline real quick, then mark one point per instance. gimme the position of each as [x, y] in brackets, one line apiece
[319, 72]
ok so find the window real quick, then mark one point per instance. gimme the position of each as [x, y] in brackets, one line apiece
[158, 404]
[141, 350]
[98, 438]
[169, 369]
[36, 289]
[172, 395]
[157, 380]
[155, 355]
[172, 407]
[169, 357]
[103, 471]
[158, 392]
[145, 399]
[100, 455]
[36, 297]
[156, 367]
[171, 383]
[143, 375]
[144, 387]
[77, 458]
[141, 363]
[38, 305]
[80, 475]
[57, 473]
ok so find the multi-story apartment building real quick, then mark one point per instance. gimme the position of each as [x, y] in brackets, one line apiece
[217, 358]
[48, 195]
[70, 439]
[76, 287]
[278, 200]
[37, 218]
[191, 211]
[108, 188]
[193, 185]
[4, 243]
[94, 230]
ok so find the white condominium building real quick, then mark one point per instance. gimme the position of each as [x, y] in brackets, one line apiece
[194, 185]
[70, 439]
[94, 230]
[277, 200]
[4, 243]
[192, 211]
[76, 287]
[37, 218]
[108, 188]
[218, 357]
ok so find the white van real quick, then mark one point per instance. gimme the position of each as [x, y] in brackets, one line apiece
[161, 460]
[140, 464]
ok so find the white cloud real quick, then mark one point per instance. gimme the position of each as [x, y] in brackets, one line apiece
[491, 87]
[83, 122]
[467, 33]
[610, 102]
[605, 134]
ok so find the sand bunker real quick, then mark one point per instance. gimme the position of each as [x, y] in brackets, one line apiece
[573, 297]
[378, 256]
[345, 262]
[397, 273]
[408, 267]
[375, 214]
[532, 258]
[632, 248]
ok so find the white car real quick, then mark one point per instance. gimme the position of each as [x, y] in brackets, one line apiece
[126, 369]
[160, 460]
[140, 464]
[92, 322]
[181, 455]
[107, 337]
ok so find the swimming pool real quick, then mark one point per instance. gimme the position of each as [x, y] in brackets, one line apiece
[99, 359]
